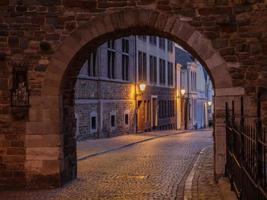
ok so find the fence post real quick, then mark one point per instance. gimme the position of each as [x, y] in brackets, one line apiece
[226, 136]
[242, 140]
[233, 141]
[258, 137]
[242, 120]
[233, 114]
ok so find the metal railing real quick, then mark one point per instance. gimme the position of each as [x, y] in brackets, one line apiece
[246, 153]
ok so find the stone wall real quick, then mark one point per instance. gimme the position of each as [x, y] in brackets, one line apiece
[228, 37]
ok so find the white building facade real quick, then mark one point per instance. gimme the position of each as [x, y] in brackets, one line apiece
[198, 91]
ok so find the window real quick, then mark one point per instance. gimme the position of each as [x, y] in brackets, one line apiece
[111, 44]
[153, 40]
[93, 122]
[162, 72]
[112, 121]
[164, 109]
[92, 64]
[141, 66]
[170, 73]
[162, 43]
[142, 37]
[126, 119]
[195, 80]
[111, 64]
[170, 46]
[153, 69]
[160, 109]
[125, 67]
[125, 45]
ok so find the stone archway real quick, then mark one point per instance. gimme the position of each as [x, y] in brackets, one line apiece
[56, 101]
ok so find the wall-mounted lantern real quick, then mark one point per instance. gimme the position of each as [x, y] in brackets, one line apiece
[209, 103]
[142, 88]
[182, 92]
[20, 93]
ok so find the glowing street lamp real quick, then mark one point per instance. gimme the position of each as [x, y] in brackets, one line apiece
[142, 87]
[182, 92]
[209, 103]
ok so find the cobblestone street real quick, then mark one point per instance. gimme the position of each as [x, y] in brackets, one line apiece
[153, 169]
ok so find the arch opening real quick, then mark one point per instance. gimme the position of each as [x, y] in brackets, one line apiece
[67, 62]
[186, 106]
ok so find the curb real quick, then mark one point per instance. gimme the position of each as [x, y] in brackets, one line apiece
[189, 180]
[126, 145]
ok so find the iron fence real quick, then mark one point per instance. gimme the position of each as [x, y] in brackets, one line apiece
[246, 152]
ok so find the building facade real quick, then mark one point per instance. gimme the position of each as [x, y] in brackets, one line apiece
[108, 99]
[196, 103]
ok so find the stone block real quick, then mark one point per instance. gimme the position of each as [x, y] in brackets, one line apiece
[35, 128]
[232, 91]
[219, 164]
[50, 167]
[51, 115]
[49, 91]
[42, 153]
[201, 45]
[13, 42]
[221, 76]
[48, 140]
[214, 61]
[183, 31]
[33, 165]
[4, 2]
[15, 151]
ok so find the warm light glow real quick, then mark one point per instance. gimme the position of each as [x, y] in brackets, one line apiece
[142, 87]
[182, 92]
[209, 103]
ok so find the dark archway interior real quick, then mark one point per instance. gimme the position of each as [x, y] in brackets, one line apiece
[68, 83]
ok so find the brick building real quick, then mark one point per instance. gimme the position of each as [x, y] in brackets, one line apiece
[107, 92]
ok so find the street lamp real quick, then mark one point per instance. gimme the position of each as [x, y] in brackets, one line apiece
[209, 103]
[185, 107]
[182, 92]
[142, 87]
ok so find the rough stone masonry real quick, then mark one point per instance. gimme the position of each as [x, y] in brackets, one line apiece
[50, 38]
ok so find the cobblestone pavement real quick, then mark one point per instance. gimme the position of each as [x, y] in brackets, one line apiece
[204, 186]
[148, 170]
[94, 146]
